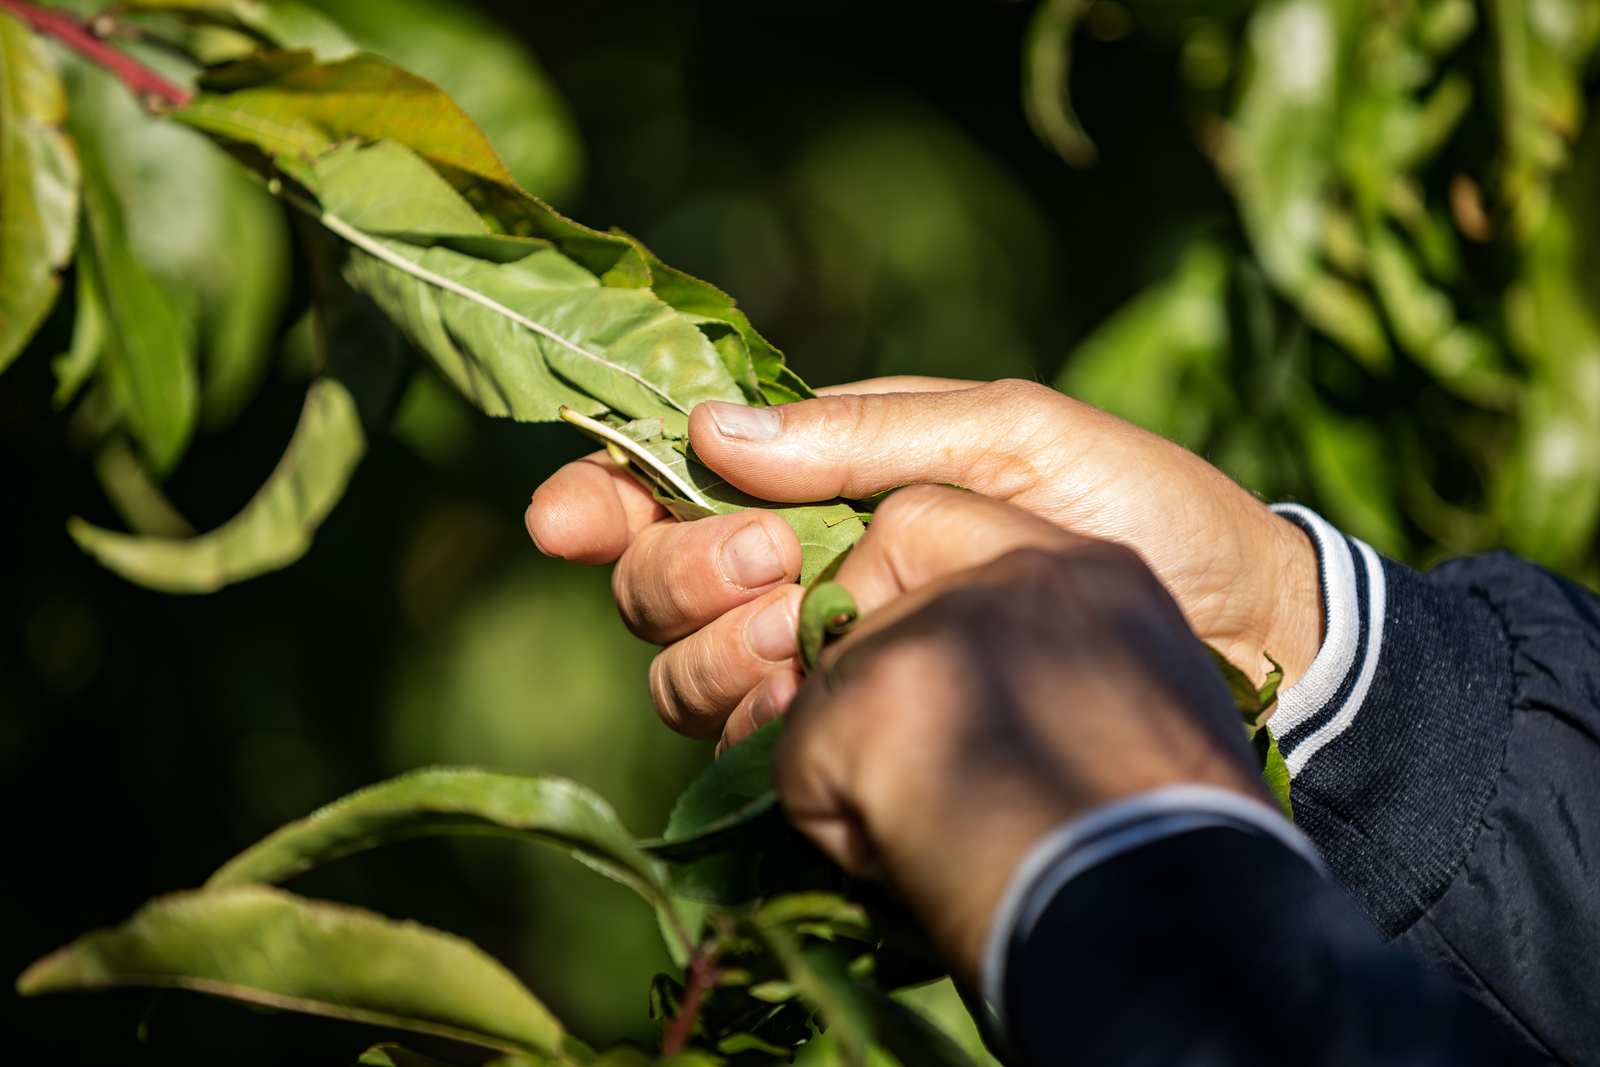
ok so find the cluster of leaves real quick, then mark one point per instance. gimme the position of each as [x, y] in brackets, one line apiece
[1407, 336]
[772, 943]
[406, 215]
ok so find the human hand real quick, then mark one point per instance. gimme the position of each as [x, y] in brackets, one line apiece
[718, 591]
[951, 731]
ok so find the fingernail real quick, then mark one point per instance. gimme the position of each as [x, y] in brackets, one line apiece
[763, 709]
[749, 560]
[745, 423]
[771, 633]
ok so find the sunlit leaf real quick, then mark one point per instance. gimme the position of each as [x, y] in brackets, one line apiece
[442, 800]
[264, 946]
[732, 791]
[38, 185]
[488, 71]
[1548, 495]
[1158, 361]
[1540, 51]
[1046, 71]
[1281, 155]
[275, 527]
[1352, 477]
[285, 23]
[1274, 771]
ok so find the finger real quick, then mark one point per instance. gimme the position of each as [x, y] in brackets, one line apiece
[678, 576]
[813, 769]
[589, 511]
[987, 438]
[697, 682]
[924, 533]
[769, 699]
[898, 383]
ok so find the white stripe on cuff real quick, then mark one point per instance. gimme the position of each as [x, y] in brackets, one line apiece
[1103, 834]
[1342, 613]
[1320, 685]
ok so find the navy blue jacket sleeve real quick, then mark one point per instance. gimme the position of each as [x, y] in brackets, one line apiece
[1445, 753]
[1222, 947]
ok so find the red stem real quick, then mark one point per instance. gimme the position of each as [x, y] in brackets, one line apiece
[143, 82]
[702, 976]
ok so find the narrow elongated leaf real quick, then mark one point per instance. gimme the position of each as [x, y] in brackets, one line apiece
[149, 353]
[1539, 66]
[1283, 154]
[38, 185]
[444, 800]
[1046, 71]
[265, 946]
[273, 530]
[196, 221]
[732, 791]
[1548, 494]
[285, 23]
[74, 367]
[1158, 361]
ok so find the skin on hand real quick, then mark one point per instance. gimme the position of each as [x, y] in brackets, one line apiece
[972, 717]
[1245, 579]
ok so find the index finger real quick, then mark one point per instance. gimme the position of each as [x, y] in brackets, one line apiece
[590, 511]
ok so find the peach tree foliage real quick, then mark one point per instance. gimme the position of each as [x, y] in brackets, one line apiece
[1409, 216]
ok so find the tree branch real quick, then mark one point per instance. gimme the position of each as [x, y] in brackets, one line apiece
[143, 82]
[702, 976]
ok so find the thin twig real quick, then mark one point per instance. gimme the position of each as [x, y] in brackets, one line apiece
[143, 82]
[702, 977]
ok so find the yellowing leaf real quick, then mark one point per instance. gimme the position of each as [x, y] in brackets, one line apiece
[268, 947]
[38, 185]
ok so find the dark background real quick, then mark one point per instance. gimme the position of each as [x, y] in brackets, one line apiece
[145, 738]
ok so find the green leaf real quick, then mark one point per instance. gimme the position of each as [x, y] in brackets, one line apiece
[1273, 770]
[828, 608]
[149, 353]
[1245, 693]
[820, 975]
[1540, 61]
[38, 185]
[1158, 361]
[74, 367]
[1046, 76]
[285, 23]
[388, 1054]
[196, 221]
[1351, 472]
[268, 947]
[731, 792]
[134, 493]
[1282, 162]
[275, 527]
[243, 284]
[911, 1038]
[488, 71]
[528, 314]
[1547, 496]
[1458, 355]
[446, 800]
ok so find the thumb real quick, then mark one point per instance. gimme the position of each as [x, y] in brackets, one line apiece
[925, 533]
[857, 445]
